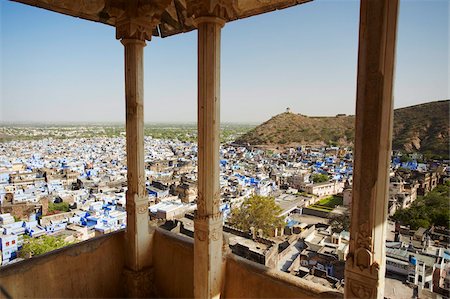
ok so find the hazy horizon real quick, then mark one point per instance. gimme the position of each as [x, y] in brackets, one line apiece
[161, 123]
[59, 69]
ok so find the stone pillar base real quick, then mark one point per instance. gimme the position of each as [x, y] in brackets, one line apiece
[139, 284]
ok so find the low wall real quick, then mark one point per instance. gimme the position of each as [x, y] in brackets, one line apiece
[92, 268]
[173, 265]
[246, 279]
[173, 257]
[314, 212]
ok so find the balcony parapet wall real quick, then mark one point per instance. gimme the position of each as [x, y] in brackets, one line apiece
[89, 269]
[94, 269]
[247, 279]
[173, 266]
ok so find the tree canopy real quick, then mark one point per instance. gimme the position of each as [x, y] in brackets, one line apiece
[58, 207]
[319, 178]
[259, 212]
[432, 209]
[35, 246]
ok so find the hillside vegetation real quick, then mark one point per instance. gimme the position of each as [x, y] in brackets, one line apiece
[421, 128]
[289, 128]
[432, 209]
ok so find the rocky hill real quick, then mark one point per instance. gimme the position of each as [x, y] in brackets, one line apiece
[421, 128]
[290, 128]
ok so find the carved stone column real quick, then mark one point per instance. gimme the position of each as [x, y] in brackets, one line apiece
[365, 267]
[134, 25]
[137, 235]
[209, 17]
[208, 221]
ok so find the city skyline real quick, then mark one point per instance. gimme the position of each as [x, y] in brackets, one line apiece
[56, 69]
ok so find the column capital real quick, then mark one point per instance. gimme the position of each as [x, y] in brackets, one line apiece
[128, 41]
[137, 19]
[221, 9]
[134, 29]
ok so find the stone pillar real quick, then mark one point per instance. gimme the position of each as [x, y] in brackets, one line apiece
[133, 33]
[138, 238]
[208, 221]
[135, 21]
[365, 267]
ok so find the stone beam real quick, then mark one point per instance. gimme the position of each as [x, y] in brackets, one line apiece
[365, 267]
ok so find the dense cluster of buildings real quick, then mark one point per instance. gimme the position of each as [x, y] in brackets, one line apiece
[75, 189]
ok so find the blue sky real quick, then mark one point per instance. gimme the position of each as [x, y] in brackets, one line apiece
[56, 68]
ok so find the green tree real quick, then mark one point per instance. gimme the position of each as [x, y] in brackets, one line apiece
[62, 207]
[35, 246]
[405, 158]
[432, 209]
[319, 178]
[260, 212]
